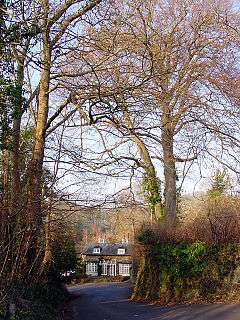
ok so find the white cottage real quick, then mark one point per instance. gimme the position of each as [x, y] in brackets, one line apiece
[104, 259]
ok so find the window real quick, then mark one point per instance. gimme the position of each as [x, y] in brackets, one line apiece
[96, 250]
[92, 268]
[121, 251]
[113, 268]
[104, 268]
[124, 269]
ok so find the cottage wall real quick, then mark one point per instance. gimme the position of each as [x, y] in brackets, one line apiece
[111, 260]
[108, 265]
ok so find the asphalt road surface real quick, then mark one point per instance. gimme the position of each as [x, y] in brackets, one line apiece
[110, 302]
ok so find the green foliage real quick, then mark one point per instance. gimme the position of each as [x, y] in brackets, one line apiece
[37, 312]
[147, 236]
[151, 188]
[64, 254]
[7, 86]
[80, 268]
[41, 301]
[220, 184]
[7, 92]
[12, 99]
[46, 293]
[185, 271]
[181, 261]
[11, 102]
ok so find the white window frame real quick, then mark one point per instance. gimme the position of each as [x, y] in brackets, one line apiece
[121, 251]
[92, 268]
[96, 250]
[113, 268]
[124, 269]
[104, 268]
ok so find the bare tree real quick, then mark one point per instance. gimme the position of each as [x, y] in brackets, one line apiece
[162, 74]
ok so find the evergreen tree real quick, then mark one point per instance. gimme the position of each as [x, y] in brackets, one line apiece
[219, 185]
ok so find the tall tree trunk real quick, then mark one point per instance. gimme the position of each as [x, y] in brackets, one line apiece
[16, 203]
[6, 177]
[34, 209]
[47, 259]
[18, 109]
[36, 163]
[153, 188]
[170, 191]
[5, 192]
[5, 223]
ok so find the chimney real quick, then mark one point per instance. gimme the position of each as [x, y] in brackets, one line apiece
[125, 240]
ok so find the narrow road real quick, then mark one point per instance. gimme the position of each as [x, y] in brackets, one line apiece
[110, 302]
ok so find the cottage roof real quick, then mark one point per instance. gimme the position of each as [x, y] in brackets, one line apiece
[107, 249]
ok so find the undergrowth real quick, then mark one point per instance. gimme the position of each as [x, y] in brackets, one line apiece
[190, 262]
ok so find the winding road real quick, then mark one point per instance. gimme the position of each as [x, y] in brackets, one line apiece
[110, 302]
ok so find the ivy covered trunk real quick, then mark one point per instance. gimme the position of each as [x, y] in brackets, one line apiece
[16, 133]
[151, 185]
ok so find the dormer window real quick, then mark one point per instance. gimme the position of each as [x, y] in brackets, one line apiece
[96, 250]
[121, 251]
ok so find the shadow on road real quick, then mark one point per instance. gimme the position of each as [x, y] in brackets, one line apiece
[110, 302]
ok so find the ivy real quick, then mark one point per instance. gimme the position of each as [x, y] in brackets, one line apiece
[151, 188]
[11, 94]
[185, 270]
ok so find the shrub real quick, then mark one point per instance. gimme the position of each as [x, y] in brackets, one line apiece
[196, 259]
[64, 255]
[38, 301]
[184, 271]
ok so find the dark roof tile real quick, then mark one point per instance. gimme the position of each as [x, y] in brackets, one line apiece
[107, 249]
